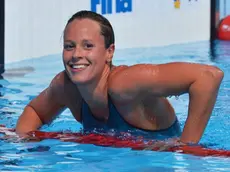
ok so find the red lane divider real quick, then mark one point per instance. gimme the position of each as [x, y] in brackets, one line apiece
[105, 140]
[120, 142]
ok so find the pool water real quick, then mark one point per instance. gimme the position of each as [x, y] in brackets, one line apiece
[54, 155]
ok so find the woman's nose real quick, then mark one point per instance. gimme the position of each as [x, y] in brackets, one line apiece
[77, 53]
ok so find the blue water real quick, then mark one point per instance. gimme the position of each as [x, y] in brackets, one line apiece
[54, 155]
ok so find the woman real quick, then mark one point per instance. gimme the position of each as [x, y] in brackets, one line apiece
[125, 98]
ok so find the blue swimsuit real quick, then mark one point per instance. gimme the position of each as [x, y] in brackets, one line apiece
[116, 123]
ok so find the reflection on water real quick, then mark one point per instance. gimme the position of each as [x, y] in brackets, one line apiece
[219, 50]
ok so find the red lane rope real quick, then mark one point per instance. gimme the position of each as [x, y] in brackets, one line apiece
[105, 140]
[121, 142]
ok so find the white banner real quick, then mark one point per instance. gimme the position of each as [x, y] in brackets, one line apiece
[34, 28]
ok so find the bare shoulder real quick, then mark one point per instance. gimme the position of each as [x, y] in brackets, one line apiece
[144, 73]
[67, 94]
[55, 90]
[115, 71]
[63, 87]
[122, 71]
[128, 82]
[121, 74]
[160, 79]
[117, 80]
[59, 80]
[57, 84]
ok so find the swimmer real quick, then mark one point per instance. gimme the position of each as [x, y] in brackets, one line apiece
[125, 98]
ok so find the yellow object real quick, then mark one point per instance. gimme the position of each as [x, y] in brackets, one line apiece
[177, 4]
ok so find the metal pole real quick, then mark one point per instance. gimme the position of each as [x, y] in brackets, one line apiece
[214, 20]
[214, 13]
[2, 36]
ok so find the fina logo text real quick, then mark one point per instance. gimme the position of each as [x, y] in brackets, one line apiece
[106, 6]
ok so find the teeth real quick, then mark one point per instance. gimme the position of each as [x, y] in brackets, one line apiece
[79, 66]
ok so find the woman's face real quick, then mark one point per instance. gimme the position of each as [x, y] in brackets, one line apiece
[84, 54]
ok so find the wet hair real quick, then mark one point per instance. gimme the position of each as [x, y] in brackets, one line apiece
[106, 27]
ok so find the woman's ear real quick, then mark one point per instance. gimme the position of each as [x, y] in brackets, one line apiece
[110, 52]
[108, 61]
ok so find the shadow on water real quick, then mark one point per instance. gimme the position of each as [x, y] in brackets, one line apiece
[219, 50]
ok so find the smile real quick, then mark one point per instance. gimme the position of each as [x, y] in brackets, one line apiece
[78, 67]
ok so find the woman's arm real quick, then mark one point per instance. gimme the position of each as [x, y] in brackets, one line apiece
[200, 81]
[44, 108]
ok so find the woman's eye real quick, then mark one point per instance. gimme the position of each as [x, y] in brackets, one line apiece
[88, 46]
[68, 47]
